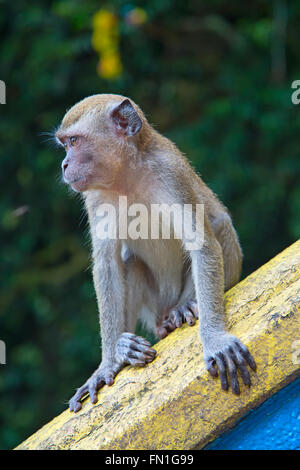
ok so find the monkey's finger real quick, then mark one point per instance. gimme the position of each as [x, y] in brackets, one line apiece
[165, 328]
[74, 403]
[138, 358]
[189, 317]
[210, 362]
[140, 347]
[143, 356]
[80, 392]
[232, 371]
[109, 380]
[241, 364]
[148, 353]
[192, 305]
[162, 332]
[140, 340]
[125, 337]
[169, 325]
[246, 354]
[129, 340]
[220, 361]
[94, 384]
[93, 392]
[74, 406]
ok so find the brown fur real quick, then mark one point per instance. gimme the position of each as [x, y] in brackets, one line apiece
[146, 279]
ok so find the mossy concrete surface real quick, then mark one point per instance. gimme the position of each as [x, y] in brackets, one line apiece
[173, 403]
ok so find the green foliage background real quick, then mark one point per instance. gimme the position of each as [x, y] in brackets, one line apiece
[213, 76]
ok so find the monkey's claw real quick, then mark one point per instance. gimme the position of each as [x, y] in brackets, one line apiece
[230, 357]
[184, 313]
[134, 350]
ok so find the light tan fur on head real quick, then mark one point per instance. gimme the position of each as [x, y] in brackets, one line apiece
[84, 110]
[103, 148]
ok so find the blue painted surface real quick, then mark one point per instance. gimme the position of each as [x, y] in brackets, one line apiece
[274, 425]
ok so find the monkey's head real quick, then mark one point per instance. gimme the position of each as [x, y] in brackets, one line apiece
[98, 134]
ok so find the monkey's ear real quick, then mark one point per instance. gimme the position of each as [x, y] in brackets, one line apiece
[126, 118]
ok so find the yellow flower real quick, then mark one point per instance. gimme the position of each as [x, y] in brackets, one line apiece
[110, 65]
[104, 19]
[105, 41]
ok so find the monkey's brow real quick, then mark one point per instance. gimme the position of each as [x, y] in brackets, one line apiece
[66, 134]
[61, 135]
[59, 139]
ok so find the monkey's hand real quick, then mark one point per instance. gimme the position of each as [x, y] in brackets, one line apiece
[130, 349]
[105, 374]
[179, 315]
[228, 354]
[134, 350]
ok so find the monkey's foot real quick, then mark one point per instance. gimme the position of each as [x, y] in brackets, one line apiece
[134, 350]
[184, 313]
[103, 375]
[228, 354]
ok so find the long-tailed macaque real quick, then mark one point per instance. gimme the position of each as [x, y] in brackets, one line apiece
[112, 151]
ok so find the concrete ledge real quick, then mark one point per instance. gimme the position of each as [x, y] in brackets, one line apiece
[173, 403]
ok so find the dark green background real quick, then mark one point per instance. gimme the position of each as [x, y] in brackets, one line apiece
[213, 76]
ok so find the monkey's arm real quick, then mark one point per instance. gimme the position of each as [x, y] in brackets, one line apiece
[118, 347]
[108, 275]
[219, 347]
[109, 285]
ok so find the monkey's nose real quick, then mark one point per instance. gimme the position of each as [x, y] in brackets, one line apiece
[64, 167]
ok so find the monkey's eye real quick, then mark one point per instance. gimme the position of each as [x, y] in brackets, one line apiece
[65, 145]
[73, 140]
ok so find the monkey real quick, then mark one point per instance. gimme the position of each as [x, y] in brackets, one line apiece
[112, 150]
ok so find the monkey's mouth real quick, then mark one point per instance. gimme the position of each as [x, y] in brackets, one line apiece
[77, 184]
[76, 180]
